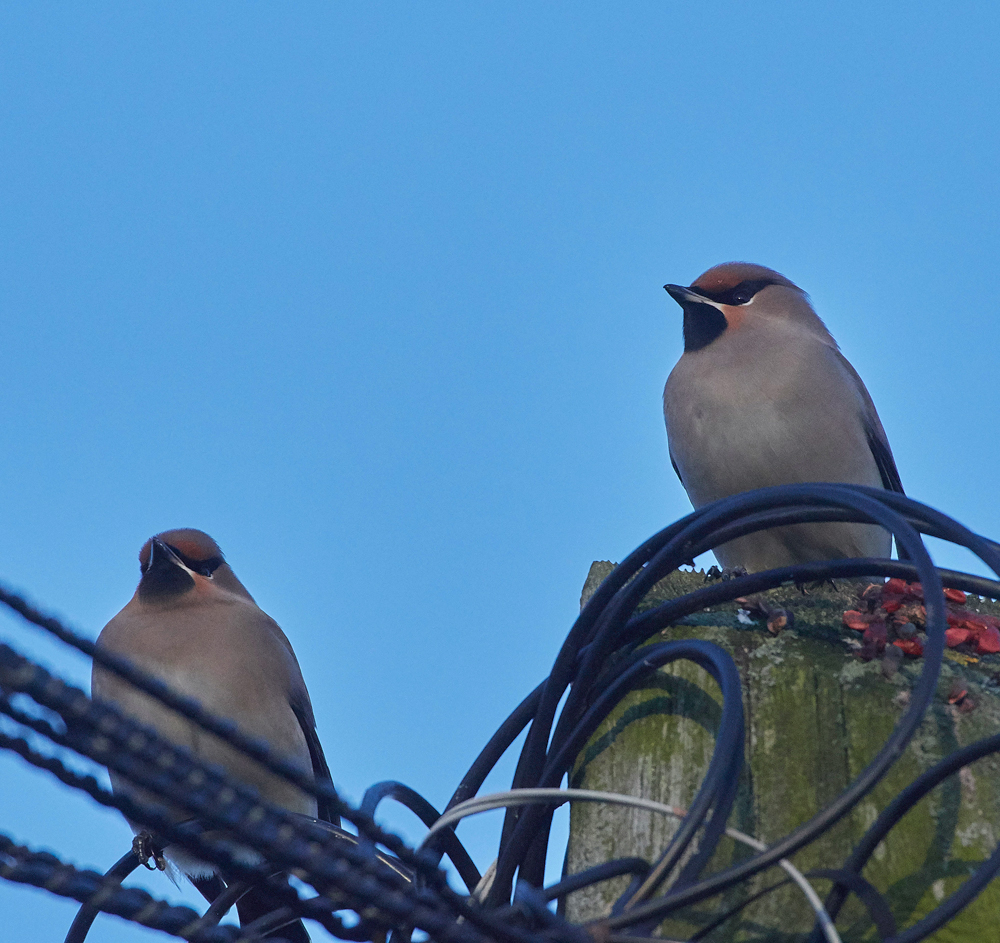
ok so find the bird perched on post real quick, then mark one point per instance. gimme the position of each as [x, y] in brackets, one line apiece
[763, 396]
[193, 624]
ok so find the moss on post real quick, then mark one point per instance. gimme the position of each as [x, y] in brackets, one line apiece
[816, 716]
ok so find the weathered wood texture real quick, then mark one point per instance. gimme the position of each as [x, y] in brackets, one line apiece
[816, 715]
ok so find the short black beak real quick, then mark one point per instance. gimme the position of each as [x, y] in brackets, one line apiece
[165, 574]
[703, 321]
[684, 296]
[160, 554]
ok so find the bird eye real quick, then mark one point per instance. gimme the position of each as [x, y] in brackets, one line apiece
[202, 567]
[739, 294]
[208, 567]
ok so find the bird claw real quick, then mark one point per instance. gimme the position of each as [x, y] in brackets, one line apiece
[146, 850]
[726, 573]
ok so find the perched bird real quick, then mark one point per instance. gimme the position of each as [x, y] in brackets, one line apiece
[763, 396]
[193, 624]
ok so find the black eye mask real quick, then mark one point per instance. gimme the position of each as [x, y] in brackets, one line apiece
[204, 567]
[738, 295]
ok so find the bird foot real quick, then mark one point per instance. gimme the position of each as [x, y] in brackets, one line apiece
[146, 850]
[726, 573]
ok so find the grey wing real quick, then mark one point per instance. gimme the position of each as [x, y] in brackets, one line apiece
[326, 810]
[883, 459]
[874, 433]
[678, 471]
[302, 708]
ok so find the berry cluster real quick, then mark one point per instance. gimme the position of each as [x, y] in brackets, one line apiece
[893, 613]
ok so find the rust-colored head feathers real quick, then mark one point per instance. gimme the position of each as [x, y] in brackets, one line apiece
[190, 543]
[177, 561]
[728, 298]
[728, 275]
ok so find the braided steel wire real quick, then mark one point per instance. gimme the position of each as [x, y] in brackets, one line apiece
[44, 870]
[608, 652]
[99, 732]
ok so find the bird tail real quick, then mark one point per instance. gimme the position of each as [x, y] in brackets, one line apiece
[258, 902]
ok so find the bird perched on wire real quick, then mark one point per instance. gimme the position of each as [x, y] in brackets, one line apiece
[193, 624]
[763, 396]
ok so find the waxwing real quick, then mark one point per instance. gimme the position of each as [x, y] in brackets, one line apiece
[763, 396]
[193, 624]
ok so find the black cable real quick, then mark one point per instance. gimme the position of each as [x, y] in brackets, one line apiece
[666, 552]
[865, 499]
[921, 695]
[891, 815]
[596, 875]
[720, 919]
[552, 689]
[125, 804]
[43, 870]
[498, 744]
[569, 668]
[417, 804]
[865, 891]
[87, 914]
[882, 917]
[727, 756]
[726, 760]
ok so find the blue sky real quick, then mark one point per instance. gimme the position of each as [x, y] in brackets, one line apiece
[373, 296]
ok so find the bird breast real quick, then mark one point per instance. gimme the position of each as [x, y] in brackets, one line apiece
[238, 670]
[741, 417]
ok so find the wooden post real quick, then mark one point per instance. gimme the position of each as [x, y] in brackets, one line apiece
[816, 715]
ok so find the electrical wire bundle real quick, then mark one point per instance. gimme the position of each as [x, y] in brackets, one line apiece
[367, 884]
